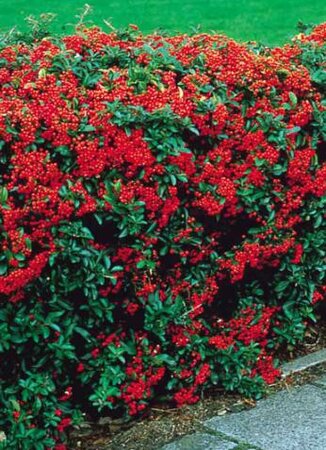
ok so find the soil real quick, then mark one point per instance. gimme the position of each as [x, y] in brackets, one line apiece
[163, 424]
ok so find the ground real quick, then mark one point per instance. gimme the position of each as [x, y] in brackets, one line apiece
[163, 424]
[269, 21]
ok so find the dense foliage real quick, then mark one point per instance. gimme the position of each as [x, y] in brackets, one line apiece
[162, 205]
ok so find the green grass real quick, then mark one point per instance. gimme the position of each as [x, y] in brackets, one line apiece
[269, 21]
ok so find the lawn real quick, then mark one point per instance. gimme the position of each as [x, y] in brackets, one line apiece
[269, 21]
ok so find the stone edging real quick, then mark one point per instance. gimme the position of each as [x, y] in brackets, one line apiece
[304, 362]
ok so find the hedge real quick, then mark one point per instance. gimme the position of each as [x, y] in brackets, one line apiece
[162, 212]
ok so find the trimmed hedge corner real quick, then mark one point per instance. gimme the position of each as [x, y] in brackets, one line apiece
[162, 220]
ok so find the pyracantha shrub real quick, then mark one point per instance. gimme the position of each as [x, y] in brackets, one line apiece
[162, 220]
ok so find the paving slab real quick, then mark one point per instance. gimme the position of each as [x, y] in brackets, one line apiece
[200, 441]
[287, 420]
[304, 362]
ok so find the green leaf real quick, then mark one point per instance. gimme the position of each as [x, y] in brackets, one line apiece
[3, 195]
[141, 264]
[107, 262]
[293, 130]
[282, 286]
[84, 333]
[293, 99]
[318, 221]
[3, 267]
